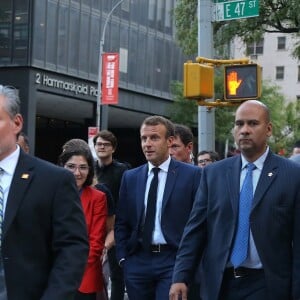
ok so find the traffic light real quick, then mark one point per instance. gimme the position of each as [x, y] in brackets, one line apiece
[242, 82]
[198, 81]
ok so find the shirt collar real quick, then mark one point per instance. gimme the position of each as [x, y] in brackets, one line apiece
[8, 164]
[164, 166]
[259, 163]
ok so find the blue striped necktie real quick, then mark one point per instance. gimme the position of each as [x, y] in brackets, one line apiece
[240, 247]
[1, 204]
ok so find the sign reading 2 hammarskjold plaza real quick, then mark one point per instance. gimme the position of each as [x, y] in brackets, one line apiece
[230, 10]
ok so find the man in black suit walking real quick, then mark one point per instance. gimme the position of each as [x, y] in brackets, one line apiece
[44, 242]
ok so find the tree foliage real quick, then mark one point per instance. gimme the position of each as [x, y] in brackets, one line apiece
[182, 110]
[281, 16]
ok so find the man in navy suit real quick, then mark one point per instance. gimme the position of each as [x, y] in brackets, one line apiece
[148, 268]
[270, 269]
[43, 240]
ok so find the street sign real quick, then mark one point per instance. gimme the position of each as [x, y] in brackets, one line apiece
[230, 10]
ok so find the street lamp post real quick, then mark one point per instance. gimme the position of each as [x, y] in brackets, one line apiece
[100, 116]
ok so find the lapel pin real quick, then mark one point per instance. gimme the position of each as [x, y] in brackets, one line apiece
[270, 174]
[25, 176]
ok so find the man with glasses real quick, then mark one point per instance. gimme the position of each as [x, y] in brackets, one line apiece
[205, 158]
[109, 172]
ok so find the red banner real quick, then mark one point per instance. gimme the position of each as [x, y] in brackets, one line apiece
[110, 78]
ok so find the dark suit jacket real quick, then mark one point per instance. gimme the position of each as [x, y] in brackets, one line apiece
[44, 241]
[180, 190]
[274, 221]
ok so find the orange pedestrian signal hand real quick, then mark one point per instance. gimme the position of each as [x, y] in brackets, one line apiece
[233, 83]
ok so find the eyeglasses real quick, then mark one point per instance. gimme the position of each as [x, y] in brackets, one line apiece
[105, 145]
[202, 161]
[73, 168]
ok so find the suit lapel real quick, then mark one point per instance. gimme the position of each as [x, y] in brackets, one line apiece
[233, 183]
[20, 182]
[267, 176]
[140, 190]
[170, 182]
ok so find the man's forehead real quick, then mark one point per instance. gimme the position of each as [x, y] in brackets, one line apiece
[152, 128]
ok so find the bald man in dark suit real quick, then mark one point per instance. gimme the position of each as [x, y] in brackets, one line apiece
[257, 262]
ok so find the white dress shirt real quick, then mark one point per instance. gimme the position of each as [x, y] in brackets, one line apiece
[158, 237]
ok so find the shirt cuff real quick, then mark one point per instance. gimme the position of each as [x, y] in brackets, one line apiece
[121, 261]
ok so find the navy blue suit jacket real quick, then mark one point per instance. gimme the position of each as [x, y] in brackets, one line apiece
[44, 238]
[274, 221]
[180, 190]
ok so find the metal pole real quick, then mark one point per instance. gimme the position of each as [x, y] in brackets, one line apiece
[206, 117]
[100, 116]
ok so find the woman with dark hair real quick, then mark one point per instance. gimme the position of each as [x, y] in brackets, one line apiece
[77, 157]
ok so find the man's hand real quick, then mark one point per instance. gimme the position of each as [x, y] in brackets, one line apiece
[178, 291]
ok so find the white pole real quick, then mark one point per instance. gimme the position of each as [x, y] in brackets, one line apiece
[206, 117]
[99, 97]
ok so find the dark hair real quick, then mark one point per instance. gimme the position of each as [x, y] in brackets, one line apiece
[78, 147]
[157, 120]
[107, 136]
[214, 156]
[297, 144]
[184, 133]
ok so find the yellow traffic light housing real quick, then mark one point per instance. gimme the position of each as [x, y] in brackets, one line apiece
[242, 82]
[198, 81]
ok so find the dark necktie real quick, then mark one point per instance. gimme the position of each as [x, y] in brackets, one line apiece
[240, 246]
[150, 211]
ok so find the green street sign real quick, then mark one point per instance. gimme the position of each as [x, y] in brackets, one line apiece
[230, 10]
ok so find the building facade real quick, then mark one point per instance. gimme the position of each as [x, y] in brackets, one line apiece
[274, 54]
[49, 50]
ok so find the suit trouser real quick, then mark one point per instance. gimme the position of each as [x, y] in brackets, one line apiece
[148, 275]
[3, 293]
[250, 287]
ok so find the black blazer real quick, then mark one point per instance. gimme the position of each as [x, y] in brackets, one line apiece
[181, 186]
[274, 221]
[44, 240]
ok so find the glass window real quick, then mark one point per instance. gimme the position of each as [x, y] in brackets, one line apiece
[96, 4]
[132, 56]
[73, 38]
[5, 31]
[62, 39]
[20, 34]
[51, 34]
[160, 13]
[94, 44]
[115, 38]
[84, 41]
[168, 16]
[39, 33]
[281, 41]
[255, 48]
[150, 61]
[298, 73]
[280, 72]
[141, 58]
[158, 64]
